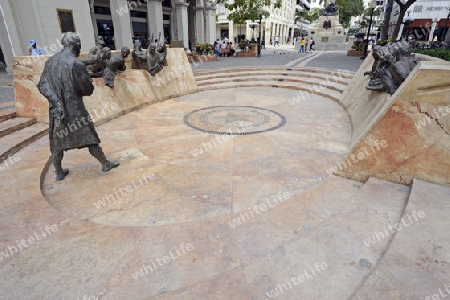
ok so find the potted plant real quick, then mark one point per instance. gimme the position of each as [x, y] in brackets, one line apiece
[243, 47]
[358, 46]
[204, 52]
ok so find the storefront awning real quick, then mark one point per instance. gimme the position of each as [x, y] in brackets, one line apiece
[421, 23]
[441, 23]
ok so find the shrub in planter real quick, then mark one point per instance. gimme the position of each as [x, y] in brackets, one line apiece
[204, 49]
[358, 46]
[439, 53]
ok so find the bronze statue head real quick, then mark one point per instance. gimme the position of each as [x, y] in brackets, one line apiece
[72, 41]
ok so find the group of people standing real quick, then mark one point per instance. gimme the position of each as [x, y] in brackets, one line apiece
[304, 45]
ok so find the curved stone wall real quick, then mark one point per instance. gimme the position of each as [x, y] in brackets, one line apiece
[414, 124]
[133, 88]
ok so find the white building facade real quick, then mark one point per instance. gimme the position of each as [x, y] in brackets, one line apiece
[280, 23]
[118, 21]
[425, 19]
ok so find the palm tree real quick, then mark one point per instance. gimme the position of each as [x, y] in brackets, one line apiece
[311, 15]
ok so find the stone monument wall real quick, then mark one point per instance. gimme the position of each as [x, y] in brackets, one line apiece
[133, 88]
[414, 122]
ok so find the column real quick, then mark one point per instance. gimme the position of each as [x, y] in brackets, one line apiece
[433, 28]
[9, 37]
[292, 35]
[191, 22]
[199, 25]
[284, 34]
[267, 33]
[210, 23]
[94, 20]
[231, 31]
[275, 32]
[155, 18]
[122, 24]
[182, 22]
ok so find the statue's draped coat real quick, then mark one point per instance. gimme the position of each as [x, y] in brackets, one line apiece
[64, 82]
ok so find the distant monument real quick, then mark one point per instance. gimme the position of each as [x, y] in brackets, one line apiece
[327, 32]
[330, 10]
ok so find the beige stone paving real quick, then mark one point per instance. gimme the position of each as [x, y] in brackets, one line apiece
[192, 200]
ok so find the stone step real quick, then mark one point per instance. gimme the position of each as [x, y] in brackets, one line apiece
[311, 82]
[17, 140]
[324, 92]
[259, 70]
[416, 263]
[331, 222]
[7, 105]
[15, 124]
[7, 114]
[339, 78]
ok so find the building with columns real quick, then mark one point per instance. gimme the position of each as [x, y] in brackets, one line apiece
[425, 19]
[118, 21]
[280, 23]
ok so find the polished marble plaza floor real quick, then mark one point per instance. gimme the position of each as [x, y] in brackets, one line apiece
[219, 195]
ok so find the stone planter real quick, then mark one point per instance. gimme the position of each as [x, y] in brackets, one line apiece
[355, 53]
[204, 58]
[245, 54]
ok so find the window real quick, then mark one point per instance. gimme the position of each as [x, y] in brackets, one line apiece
[102, 10]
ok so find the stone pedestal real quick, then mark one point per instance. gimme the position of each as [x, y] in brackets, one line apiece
[335, 28]
[330, 38]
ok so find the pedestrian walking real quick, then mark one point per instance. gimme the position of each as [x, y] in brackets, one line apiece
[311, 44]
[276, 41]
[34, 49]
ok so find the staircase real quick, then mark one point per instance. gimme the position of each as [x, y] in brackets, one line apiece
[16, 133]
[329, 84]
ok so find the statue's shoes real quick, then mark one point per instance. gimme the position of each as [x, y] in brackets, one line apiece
[110, 165]
[60, 176]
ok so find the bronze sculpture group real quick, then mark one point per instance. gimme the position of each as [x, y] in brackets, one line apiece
[66, 79]
[393, 63]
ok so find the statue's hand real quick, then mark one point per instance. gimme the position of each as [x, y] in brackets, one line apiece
[59, 112]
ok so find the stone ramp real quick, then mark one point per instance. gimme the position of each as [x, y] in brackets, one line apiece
[414, 124]
[416, 264]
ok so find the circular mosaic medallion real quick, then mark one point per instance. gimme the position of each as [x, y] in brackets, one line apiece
[234, 120]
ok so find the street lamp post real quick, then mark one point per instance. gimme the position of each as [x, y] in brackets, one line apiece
[445, 27]
[372, 5]
[259, 38]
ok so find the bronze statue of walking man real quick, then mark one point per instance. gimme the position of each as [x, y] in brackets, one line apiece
[64, 82]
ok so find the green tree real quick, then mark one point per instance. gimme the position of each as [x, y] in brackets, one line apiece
[387, 20]
[348, 9]
[243, 10]
[311, 15]
[366, 16]
[403, 8]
